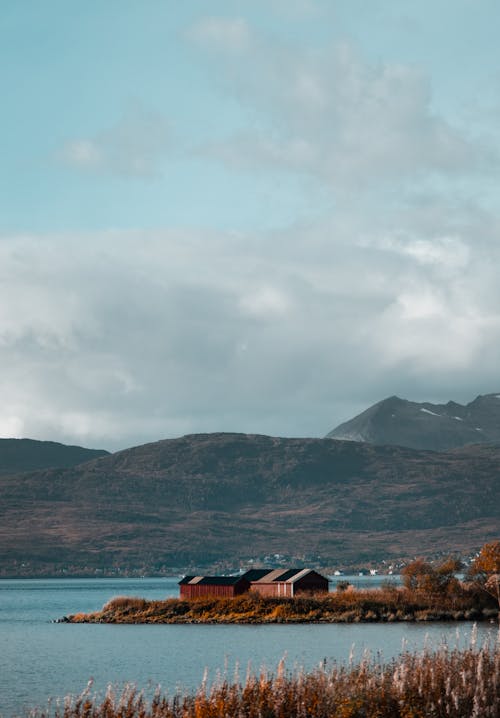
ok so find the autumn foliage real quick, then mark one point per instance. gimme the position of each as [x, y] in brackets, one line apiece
[438, 581]
[485, 570]
[488, 560]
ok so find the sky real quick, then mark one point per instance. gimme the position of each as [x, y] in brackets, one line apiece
[248, 215]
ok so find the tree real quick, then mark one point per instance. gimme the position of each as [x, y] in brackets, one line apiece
[485, 570]
[438, 581]
[417, 574]
[488, 560]
[446, 575]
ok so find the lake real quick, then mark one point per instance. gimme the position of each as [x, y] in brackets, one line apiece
[39, 659]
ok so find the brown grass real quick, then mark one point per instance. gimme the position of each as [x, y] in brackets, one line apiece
[443, 684]
[130, 603]
[385, 604]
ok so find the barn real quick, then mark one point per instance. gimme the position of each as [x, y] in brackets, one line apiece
[286, 582]
[220, 586]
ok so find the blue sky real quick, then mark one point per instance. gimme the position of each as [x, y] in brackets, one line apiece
[250, 216]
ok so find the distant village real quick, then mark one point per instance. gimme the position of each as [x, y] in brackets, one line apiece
[225, 567]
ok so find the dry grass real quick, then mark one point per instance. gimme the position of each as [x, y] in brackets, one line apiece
[131, 603]
[385, 604]
[443, 684]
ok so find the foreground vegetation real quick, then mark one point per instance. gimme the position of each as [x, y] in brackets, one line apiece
[451, 683]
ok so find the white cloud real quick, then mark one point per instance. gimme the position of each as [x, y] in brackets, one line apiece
[117, 338]
[265, 302]
[423, 335]
[448, 251]
[422, 303]
[331, 114]
[134, 146]
[450, 254]
[12, 427]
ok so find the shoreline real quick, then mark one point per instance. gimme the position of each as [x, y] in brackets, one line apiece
[369, 606]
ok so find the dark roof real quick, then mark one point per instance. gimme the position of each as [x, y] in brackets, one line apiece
[185, 579]
[288, 574]
[254, 574]
[263, 575]
[285, 575]
[211, 580]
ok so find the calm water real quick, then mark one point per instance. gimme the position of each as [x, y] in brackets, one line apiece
[39, 659]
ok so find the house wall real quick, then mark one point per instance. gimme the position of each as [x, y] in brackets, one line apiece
[274, 588]
[311, 584]
[198, 590]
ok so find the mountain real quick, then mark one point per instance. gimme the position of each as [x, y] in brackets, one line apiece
[437, 427]
[200, 498]
[19, 455]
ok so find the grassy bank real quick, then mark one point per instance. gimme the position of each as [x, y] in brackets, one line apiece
[451, 683]
[389, 604]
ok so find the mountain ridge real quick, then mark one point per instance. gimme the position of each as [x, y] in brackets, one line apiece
[20, 455]
[424, 425]
[201, 498]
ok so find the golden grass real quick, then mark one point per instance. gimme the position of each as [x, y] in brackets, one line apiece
[385, 604]
[442, 684]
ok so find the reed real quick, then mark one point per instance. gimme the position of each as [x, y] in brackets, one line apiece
[432, 684]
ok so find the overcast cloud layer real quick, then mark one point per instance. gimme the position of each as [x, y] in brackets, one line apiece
[258, 220]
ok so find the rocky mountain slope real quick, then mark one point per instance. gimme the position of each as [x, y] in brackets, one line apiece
[19, 455]
[194, 500]
[437, 427]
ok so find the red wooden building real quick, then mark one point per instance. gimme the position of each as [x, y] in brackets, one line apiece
[286, 582]
[223, 586]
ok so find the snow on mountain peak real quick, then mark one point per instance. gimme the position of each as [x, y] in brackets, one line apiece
[428, 411]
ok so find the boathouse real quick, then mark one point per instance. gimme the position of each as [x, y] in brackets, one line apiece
[220, 586]
[286, 582]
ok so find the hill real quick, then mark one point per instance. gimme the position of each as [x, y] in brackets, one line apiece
[19, 455]
[197, 499]
[437, 427]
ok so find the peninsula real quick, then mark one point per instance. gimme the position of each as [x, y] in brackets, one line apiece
[428, 593]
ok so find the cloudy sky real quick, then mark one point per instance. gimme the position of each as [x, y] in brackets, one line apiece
[244, 215]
